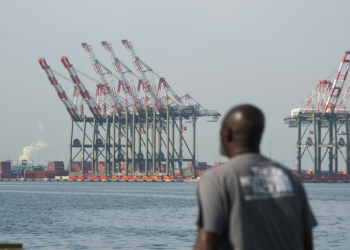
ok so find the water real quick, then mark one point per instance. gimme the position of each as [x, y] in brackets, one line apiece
[134, 215]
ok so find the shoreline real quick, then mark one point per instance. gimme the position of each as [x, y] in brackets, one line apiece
[140, 180]
[105, 180]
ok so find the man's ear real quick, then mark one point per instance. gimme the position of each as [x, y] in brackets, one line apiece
[227, 135]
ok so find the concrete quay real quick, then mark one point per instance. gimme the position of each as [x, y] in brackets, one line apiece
[94, 180]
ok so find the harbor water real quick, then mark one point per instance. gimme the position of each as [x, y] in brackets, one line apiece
[135, 215]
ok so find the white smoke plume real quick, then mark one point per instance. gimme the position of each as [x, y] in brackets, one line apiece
[28, 151]
[41, 126]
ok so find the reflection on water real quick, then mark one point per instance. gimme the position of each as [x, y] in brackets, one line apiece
[135, 215]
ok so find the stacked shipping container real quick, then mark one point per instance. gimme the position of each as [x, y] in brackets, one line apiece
[5, 169]
[76, 166]
[55, 165]
[29, 174]
[41, 174]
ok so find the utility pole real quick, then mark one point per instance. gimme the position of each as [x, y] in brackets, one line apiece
[270, 148]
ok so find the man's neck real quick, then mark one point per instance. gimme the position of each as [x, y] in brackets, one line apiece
[239, 151]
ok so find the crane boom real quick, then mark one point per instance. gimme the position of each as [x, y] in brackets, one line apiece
[121, 69]
[76, 98]
[337, 84]
[151, 95]
[94, 108]
[102, 72]
[72, 110]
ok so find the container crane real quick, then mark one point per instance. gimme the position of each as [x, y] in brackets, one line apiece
[139, 65]
[319, 94]
[72, 110]
[162, 82]
[122, 70]
[166, 87]
[151, 95]
[105, 88]
[337, 85]
[94, 108]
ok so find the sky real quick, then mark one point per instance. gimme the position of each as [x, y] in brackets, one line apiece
[223, 53]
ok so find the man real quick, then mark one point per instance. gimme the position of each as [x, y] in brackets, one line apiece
[251, 202]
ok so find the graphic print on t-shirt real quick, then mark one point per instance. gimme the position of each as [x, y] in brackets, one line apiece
[266, 183]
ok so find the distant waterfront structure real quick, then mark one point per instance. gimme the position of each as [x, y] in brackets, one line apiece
[136, 128]
[320, 121]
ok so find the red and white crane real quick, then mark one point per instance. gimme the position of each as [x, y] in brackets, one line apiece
[72, 110]
[77, 99]
[94, 108]
[169, 94]
[166, 86]
[145, 80]
[320, 94]
[124, 73]
[105, 76]
[337, 86]
[162, 82]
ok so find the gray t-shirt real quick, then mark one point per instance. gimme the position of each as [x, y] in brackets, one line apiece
[254, 203]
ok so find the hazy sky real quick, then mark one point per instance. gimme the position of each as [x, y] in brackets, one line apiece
[268, 53]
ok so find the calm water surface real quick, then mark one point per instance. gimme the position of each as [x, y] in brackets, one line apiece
[135, 215]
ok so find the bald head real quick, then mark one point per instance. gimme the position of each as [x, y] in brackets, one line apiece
[241, 130]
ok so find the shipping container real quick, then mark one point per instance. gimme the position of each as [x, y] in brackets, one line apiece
[87, 175]
[76, 166]
[5, 164]
[55, 165]
[62, 172]
[40, 174]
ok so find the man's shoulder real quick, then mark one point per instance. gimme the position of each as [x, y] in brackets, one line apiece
[217, 171]
[222, 172]
[240, 164]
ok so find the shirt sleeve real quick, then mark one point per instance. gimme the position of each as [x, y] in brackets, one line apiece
[211, 216]
[308, 218]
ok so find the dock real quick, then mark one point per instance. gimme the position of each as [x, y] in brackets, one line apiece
[103, 180]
